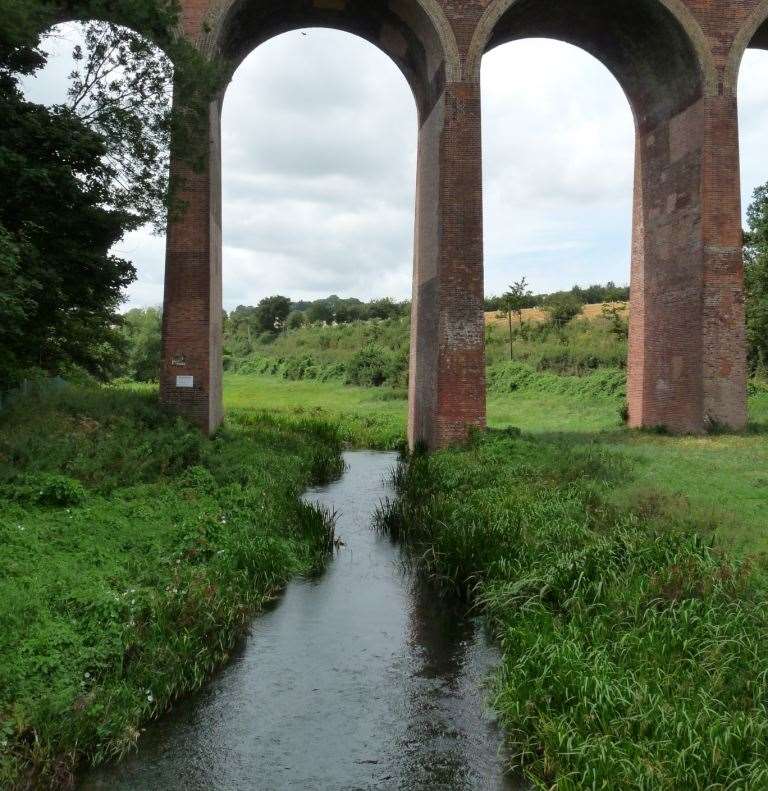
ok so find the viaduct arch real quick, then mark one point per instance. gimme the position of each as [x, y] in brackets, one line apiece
[676, 60]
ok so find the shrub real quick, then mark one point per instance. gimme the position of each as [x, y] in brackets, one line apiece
[370, 367]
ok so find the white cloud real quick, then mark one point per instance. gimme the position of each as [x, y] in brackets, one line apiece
[319, 136]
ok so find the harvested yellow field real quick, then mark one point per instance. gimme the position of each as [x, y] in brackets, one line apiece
[537, 315]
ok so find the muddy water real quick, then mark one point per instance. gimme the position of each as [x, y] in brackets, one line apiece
[360, 679]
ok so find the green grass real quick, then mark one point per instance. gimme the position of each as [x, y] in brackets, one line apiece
[134, 553]
[365, 417]
[724, 478]
[633, 648]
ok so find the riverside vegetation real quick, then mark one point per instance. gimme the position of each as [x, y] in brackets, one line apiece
[135, 553]
[633, 645]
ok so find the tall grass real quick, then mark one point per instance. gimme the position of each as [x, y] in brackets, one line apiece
[634, 651]
[134, 553]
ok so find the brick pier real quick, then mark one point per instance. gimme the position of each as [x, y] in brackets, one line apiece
[678, 63]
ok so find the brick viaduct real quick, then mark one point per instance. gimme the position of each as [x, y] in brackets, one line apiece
[676, 60]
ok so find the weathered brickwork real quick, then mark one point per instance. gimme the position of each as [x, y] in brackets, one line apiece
[677, 61]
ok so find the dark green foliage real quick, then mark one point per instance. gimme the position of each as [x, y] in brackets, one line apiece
[320, 313]
[372, 366]
[135, 552]
[272, 313]
[142, 330]
[756, 280]
[85, 172]
[562, 308]
[129, 108]
[590, 295]
[61, 287]
[516, 376]
[633, 654]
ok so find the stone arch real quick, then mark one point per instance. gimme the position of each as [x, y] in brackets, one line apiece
[754, 32]
[655, 48]
[685, 356]
[153, 26]
[447, 384]
[415, 34]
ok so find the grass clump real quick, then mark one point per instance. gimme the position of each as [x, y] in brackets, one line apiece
[633, 647]
[135, 552]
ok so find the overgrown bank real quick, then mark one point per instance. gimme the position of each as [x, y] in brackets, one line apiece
[134, 553]
[634, 650]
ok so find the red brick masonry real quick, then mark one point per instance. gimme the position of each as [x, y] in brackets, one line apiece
[678, 63]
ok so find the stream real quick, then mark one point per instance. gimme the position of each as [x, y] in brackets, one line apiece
[362, 678]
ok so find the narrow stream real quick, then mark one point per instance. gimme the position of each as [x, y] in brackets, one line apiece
[359, 679]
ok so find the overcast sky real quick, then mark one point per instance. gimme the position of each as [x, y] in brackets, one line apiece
[319, 167]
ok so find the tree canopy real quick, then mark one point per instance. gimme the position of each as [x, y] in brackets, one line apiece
[85, 172]
[756, 280]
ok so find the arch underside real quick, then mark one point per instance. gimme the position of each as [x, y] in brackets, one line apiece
[641, 43]
[760, 40]
[400, 28]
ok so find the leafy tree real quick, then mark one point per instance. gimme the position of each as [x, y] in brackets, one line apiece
[272, 313]
[61, 287]
[121, 87]
[320, 313]
[142, 329]
[296, 319]
[244, 322]
[383, 309]
[616, 318]
[563, 308]
[84, 173]
[349, 310]
[756, 280]
[515, 301]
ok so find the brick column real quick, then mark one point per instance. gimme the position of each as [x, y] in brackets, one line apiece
[190, 380]
[447, 372]
[687, 349]
[724, 330]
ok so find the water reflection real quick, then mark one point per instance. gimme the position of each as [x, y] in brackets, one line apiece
[360, 679]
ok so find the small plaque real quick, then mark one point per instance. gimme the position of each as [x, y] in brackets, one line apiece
[185, 381]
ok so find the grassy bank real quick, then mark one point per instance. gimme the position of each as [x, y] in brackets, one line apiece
[134, 553]
[722, 477]
[633, 648]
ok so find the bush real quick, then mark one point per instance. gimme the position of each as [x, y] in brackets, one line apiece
[45, 489]
[151, 581]
[372, 366]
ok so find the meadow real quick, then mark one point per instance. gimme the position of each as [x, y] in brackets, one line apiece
[723, 478]
[633, 650]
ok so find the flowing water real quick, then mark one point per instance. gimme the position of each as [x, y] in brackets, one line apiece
[360, 679]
